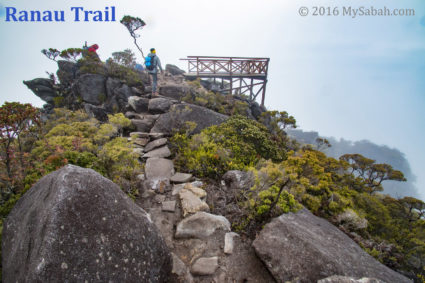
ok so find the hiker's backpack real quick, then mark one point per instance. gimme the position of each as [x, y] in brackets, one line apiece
[149, 63]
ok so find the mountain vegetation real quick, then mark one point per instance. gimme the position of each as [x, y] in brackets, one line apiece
[286, 175]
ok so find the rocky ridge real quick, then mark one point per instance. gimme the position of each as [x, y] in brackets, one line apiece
[202, 245]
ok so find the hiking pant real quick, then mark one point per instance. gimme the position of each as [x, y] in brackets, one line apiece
[154, 81]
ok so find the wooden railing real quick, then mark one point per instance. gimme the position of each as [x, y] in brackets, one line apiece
[246, 75]
[227, 65]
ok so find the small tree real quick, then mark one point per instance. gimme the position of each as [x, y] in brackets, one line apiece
[125, 58]
[133, 25]
[371, 173]
[71, 54]
[415, 208]
[322, 144]
[51, 53]
[16, 122]
[277, 121]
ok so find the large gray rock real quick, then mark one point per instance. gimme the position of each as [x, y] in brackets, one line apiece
[91, 88]
[43, 88]
[138, 91]
[96, 112]
[238, 180]
[209, 84]
[201, 225]
[257, 110]
[124, 91]
[159, 105]
[121, 96]
[144, 124]
[138, 104]
[308, 248]
[76, 226]
[112, 84]
[176, 91]
[117, 94]
[181, 113]
[112, 106]
[174, 70]
[66, 72]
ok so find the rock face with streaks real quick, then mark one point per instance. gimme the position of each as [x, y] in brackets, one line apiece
[76, 226]
[315, 249]
[181, 113]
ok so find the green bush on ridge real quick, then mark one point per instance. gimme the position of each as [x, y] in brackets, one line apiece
[237, 143]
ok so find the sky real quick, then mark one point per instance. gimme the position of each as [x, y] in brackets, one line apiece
[348, 77]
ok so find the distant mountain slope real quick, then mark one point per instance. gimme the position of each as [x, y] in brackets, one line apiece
[380, 153]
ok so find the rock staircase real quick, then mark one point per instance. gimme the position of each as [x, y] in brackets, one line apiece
[202, 244]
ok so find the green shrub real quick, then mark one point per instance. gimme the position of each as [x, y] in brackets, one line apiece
[130, 76]
[267, 198]
[91, 65]
[285, 202]
[224, 104]
[195, 83]
[238, 143]
[316, 182]
[88, 143]
[58, 101]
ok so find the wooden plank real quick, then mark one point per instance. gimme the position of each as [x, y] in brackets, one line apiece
[225, 75]
[227, 58]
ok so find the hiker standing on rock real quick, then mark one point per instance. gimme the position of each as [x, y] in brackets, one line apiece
[152, 64]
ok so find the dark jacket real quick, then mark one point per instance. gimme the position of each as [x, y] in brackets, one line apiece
[156, 63]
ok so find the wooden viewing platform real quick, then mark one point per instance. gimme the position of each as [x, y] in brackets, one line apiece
[245, 75]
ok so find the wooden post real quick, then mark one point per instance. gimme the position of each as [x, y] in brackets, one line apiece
[240, 85]
[263, 96]
[250, 89]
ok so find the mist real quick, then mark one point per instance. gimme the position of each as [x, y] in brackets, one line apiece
[380, 153]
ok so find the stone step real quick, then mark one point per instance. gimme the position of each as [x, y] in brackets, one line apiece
[155, 144]
[161, 152]
[191, 203]
[159, 168]
[140, 141]
[201, 225]
[229, 242]
[159, 105]
[145, 124]
[205, 266]
[169, 206]
[155, 136]
[139, 135]
[181, 178]
[181, 270]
